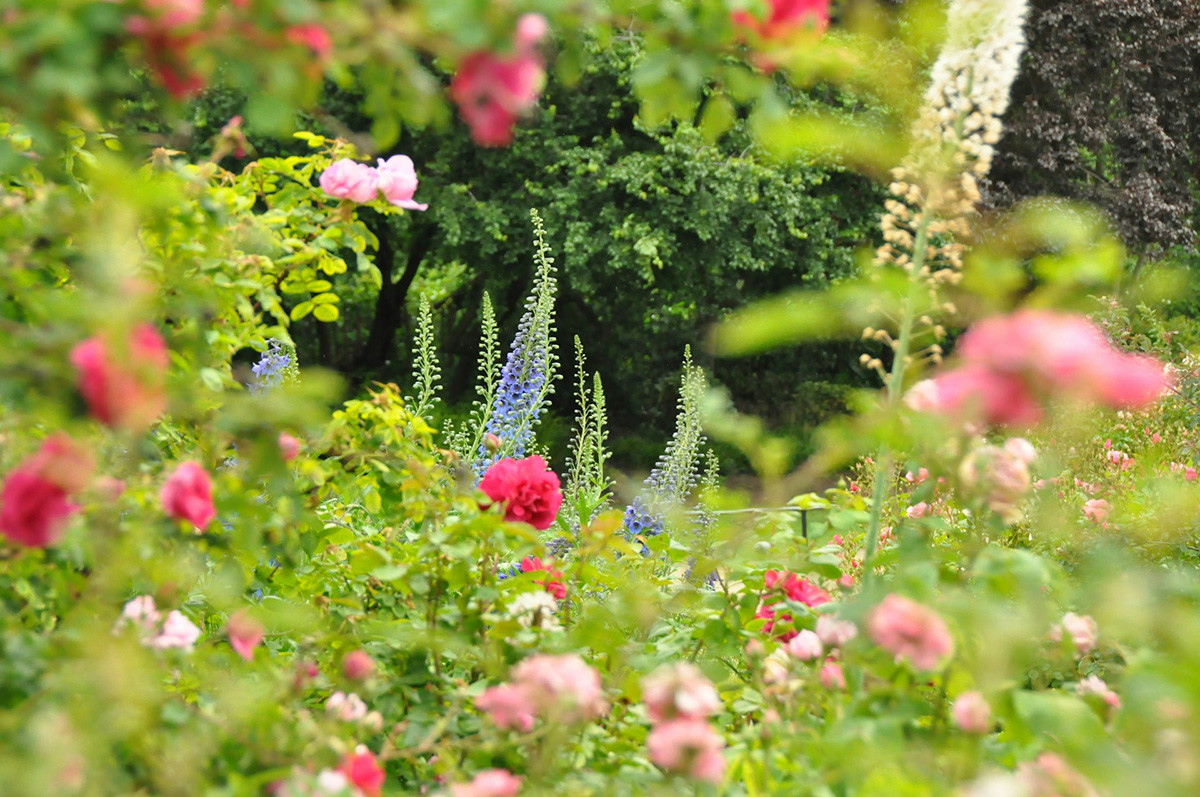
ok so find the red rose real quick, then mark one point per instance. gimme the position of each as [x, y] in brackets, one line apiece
[529, 491]
[125, 388]
[363, 770]
[554, 585]
[187, 495]
[797, 589]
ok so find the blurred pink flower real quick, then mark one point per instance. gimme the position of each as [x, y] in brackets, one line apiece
[346, 707]
[805, 646]
[562, 686]
[347, 179]
[177, 632]
[679, 690]
[910, 631]
[918, 510]
[397, 180]
[187, 495]
[786, 16]
[312, 36]
[289, 446]
[362, 769]
[245, 634]
[174, 13]
[834, 632]
[489, 783]
[142, 612]
[1189, 474]
[35, 499]
[688, 746]
[493, 91]
[1083, 631]
[972, 712]
[832, 677]
[358, 666]
[1051, 776]
[1093, 685]
[1096, 510]
[509, 706]
[124, 389]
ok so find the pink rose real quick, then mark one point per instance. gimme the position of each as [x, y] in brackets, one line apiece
[972, 712]
[1083, 631]
[688, 746]
[1094, 685]
[553, 584]
[347, 179]
[33, 509]
[489, 783]
[910, 631]
[834, 632]
[564, 686]
[177, 632]
[187, 495]
[358, 666]
[493, 91]
[175, 13]
[806, 646]
[245, 634]
[527, 488]
[917, 511]
[312, 36]
[289, 446]
[362, 770]
[832, 676]
[125, 388]
[786, 16]
[679, 690]
[398, 182]
[1096, 510]
[509, 707]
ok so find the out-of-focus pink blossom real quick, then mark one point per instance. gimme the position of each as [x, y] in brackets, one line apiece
[1083, 631]
[1096, 510]
[509, 706]
[805, 646]
[312, 36]
[245, 634]
[1189, 474]
[141, 612]
[1004, 472]
[397, 181]
[493, 91]
[346, 707]
[832, 677]
[124, 389]
[797, 589]
[916, 478]
[834, 632]
[784, 17]
[177, 632]
[564, 687]
[362, 769]
[35, 499]
[1051, 776]
[918, 510]
[347, 179]
[679, 690]
[911, 631]
[972, 712]
[289, 446]
[489, 783]
[358, 666]
[690, 747]
[1094, 685]
[187, 495]
[174, 13]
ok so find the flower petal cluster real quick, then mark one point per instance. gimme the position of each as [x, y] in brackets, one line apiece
[245, 634]
[1004, 472]
[785, 17]
[489, 783]
[187, 495]
[560, 688]
[527, 488]
[553, 584]
[124, 388]
[493, 91]
[394, 178]
[35, 502]
[1082, 629]
[911, 631]
[691, 747]
[972, 712]
[1010, 365]
[363, 771]
[679, 691]
[794, 588]
[177, 632]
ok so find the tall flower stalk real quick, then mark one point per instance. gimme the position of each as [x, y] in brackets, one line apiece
[935, 191]
[527, 377]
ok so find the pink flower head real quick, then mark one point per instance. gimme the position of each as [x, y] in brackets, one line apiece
[832, 676]
[972, 391]
[347, 179]
[63, 461]
[1094, 685]
[1083, 631]
[916, 478]
[910, 631]
[489, 783]
[362, 769]
[493, 91]
[834, 632]
[554, 584]
[289, 446]
[563, 686]
[527, 488]
[174, 13]
[1096, 510]
[797, 589]
[124, 389]
[805, 646]
[919, 510]
[312, 36]
[785, 17]
[346, 707]
[972, 712]
[1189, 474]
[177, 632]
[688, 746]
[508, 706]
[33, 509]
[679, 690]
[397, 180]
[1051, 776]
[245, 634]
[358, 666]
[187, 495]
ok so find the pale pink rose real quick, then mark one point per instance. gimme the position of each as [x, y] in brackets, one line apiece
[1094, 685]
[688, 746]
[921, 475]
[142, 613]
[911, 631]
[508, 706]
[834, 632]
[1083, 631]
[346, 707]
[832, 677]
[531, 29]
[679, 690]
[1096, 510]
[177, 632]
[1051, 776]
[918, 510]
[1156, 438]
[805, 646]
[562, 686]
[1021, 449]
[972, 712]
[187, 495]
[489, 783]
[245, 634]
[347, 179]
[289, 446]
[397, 181]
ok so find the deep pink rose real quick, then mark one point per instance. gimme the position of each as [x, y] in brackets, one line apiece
[124, 388]
[33, 509]
[312, 36]
[362, 769]
[493, 91]
[347, 179]
[358, 665]
[245, 634]
[554, 584]
[786, 16]
[527, 488]
[187, 495]
[397, 180]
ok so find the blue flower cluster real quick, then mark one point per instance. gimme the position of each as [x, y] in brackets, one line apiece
[272, 367]
[640, 520]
